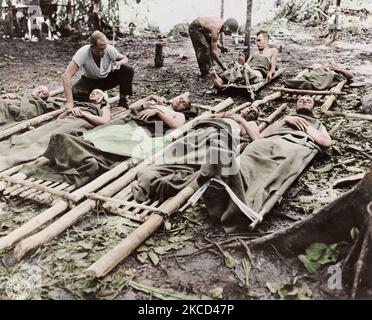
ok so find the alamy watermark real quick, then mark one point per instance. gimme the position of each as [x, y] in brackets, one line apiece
[335, 279]
[24, 285]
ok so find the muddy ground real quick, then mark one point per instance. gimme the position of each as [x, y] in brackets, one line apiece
[173, 262]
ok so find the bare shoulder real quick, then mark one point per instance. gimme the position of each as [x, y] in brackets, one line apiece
[274, 51]
[213, 24]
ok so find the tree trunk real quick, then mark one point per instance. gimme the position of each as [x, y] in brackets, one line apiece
[1, 9]
[10, 18]
[248, 24]
[333, 224]
[159, 58]
[222, 16]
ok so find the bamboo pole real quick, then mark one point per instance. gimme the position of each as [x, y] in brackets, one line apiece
[266, 99]
[349, 115]
[54, 229]
[118, 203]
[112, 258]
[86, 206]
[60, 89]
[332, 98]
[36, 186]
[309, 92]
[260, 85]
[270, 119]
[62, 205]
[33, 224]
[31, 122]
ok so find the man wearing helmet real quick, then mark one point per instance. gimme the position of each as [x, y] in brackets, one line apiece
[204, 32]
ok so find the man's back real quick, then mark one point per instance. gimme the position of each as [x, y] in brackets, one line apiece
[213, 24]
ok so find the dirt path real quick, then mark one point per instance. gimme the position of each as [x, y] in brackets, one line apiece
[165, 260]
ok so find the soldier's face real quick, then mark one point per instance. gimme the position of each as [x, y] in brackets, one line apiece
[41, 92]
[305, 102]
[96, 96]
[261, 42]
[99, 49]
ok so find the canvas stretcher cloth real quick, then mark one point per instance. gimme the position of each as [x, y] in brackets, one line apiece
[236, 73]
[211, 141]
[129, 140]
[315, 79]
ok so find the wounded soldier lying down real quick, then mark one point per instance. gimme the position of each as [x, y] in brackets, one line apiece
[18, 107]
[263, 167]
[32, 144]
[319, 77]
[81, 158]
[212, 141]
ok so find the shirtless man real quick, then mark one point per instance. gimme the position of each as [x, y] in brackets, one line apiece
[260, 65]
[170, 112]
[300, 122]
[204, 32]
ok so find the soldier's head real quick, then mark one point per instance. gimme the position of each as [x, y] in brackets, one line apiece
[250, 113]
[305, 104]
[41, 92]
[98, 96]
[242, 58]
[262, 39]
[98, 44]
[230, 26]
[181, 102]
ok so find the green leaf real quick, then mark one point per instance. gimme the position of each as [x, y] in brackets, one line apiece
[354, 233]
[315, 251]
[288, 289]
[318, 254]
[311, 266]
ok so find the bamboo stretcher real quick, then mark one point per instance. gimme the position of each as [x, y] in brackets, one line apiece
[270, 203]
[254, 88]
[28, 124]
[64, 200]
[153, 216]
[148, 219]
[13, 183]
[117, 198]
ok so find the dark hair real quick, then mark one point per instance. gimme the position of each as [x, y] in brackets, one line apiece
[264, 33]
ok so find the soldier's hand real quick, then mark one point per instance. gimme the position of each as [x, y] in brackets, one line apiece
[300, 123]
[224, 50]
